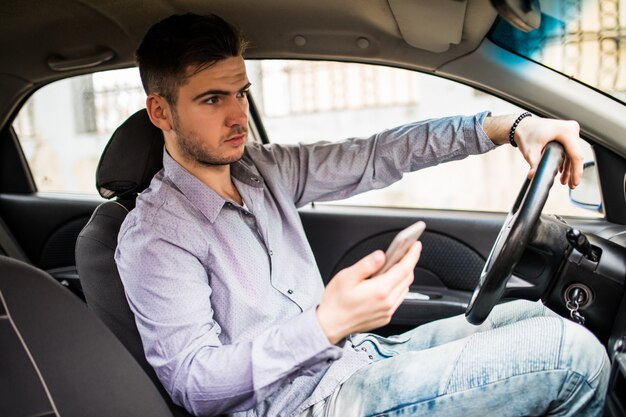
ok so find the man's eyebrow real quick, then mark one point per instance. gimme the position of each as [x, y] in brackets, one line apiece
[219, 92]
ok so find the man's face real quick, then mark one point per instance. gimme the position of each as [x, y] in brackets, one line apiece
[210, 118]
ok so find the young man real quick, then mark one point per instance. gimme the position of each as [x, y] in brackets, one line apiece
[227, 296]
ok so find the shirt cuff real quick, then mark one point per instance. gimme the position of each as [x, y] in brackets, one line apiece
[308, 343]
[476, 140]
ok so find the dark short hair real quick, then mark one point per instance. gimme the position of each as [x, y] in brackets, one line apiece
[180, 43]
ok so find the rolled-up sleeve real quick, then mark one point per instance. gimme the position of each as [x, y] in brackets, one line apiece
[167, 289]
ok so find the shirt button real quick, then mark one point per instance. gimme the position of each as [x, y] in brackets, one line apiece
[271, 252]
[371, 357]
[290, 291]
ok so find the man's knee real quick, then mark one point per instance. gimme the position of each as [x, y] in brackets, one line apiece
[583, 353]
[513, 311]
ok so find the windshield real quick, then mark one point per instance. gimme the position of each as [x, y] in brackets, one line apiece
[582, 39]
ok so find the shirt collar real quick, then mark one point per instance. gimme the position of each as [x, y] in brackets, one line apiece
[201, 196]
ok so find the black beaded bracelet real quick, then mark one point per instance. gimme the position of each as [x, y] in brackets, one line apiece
[512, 132]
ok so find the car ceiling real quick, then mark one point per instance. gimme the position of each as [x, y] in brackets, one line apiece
[420, 34]
[430, 32]
[436, 36]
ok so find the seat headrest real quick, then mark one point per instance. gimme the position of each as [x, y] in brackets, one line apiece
[132, 157]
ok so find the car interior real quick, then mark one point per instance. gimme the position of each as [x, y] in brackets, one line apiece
[69, 345]
[58, 358]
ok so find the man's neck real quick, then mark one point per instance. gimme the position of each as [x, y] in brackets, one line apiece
[216, 177]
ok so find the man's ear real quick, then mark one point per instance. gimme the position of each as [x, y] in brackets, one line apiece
[159, 111]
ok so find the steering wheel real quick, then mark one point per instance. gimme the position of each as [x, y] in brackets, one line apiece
[514, 235]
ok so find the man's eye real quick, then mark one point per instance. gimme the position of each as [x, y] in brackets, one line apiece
[211, 100]
[243, 94]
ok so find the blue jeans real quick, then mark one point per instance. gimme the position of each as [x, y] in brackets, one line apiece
[524, 360]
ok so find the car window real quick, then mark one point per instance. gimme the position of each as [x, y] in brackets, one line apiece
[308, 101]
[65, 125]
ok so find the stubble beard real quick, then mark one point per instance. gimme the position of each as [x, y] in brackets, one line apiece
[192, 146]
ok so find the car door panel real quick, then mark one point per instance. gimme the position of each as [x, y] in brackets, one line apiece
[455, 247]
[46, 229]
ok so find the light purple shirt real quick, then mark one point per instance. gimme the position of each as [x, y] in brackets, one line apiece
[224, 298]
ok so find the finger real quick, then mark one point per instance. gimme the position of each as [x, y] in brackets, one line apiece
[366, 266]
[575, 171]
[561, 171]
[533, 160]
[401, 285]
[399, 293]
[407, 264]
[571, 182]
[400, 298]
[394, 300]
[566, 174]
[571, 144]
[393, 278]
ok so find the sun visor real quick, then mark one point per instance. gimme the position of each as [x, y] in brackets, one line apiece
[432, 25]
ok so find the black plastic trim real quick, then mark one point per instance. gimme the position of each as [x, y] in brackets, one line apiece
[15, 174]
[258, 121]
[611, 170]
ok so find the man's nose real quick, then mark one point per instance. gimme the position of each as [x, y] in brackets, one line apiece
[237, 113]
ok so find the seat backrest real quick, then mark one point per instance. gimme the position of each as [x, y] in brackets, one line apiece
[104, 293]
[130, 160]
[58, 359]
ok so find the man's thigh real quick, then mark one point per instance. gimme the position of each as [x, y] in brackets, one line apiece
[448, 330]
[522, 367]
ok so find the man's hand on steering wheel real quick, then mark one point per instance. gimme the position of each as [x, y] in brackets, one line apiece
[532, 134]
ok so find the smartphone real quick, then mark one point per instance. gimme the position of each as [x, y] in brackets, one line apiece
[400, 245]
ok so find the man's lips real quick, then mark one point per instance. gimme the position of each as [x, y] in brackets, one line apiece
[237, 138]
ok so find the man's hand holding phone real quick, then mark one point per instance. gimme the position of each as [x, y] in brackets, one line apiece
[400, 245]
[352, 302]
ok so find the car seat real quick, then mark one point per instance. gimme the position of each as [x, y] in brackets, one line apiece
[132, 157]
[58, 359]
